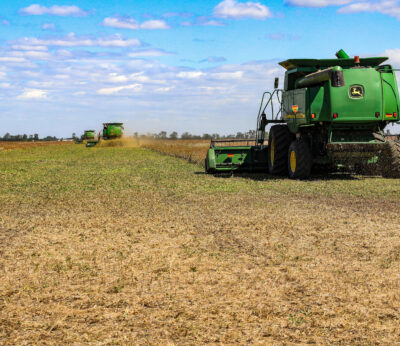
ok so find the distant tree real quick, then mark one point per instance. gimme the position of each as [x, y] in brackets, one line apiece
[162, 135]
[7, 137]
[51, 138]
[24, 137]
[173, 135]
[36, 137]
[250, 134]
[73, 135]
[136, 135]
[216, 136]
[240, 135]
[186, 135]
[206, 136]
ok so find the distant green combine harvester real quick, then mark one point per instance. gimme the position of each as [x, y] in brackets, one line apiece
[110, 131]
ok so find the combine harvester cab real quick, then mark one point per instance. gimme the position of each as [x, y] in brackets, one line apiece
[332, 112]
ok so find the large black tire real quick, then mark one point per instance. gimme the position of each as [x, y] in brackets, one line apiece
[207, 167]
[390, 160]
[278, 144]
[299, 159]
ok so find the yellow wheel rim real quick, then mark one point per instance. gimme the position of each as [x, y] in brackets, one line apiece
[293, 161]
[272, 151]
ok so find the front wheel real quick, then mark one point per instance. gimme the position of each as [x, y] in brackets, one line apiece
[299, 160]
[278, 144]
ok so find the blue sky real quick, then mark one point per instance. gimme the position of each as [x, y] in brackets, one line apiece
[201, 67]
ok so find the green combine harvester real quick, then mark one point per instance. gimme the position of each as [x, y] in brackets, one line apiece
[89, 135]
[331, 113]
[110, 131]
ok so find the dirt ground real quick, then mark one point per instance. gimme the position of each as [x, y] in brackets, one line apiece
[129, 246]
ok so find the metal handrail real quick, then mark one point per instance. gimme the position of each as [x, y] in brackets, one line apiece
[262, 118]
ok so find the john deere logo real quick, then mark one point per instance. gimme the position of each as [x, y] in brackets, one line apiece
[295, 109]
[356, 91]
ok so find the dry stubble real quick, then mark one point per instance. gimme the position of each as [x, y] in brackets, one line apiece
[121, 245]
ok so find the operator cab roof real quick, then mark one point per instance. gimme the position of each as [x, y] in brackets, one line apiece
[295, 63]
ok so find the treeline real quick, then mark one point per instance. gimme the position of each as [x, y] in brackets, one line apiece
[161, 135]
[26, 138]
[251, 134]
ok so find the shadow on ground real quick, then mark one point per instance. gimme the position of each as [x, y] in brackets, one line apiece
[266, 176]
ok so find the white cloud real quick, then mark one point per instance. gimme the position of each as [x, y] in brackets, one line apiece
[164, 90]
[238, 10]
[121, 23]
[228, 75]
[72, 40]
[115, 78]
[388, 7]
[317, 3]
[49, 26]
[38, 10]
[394, 55]
[31, 54]
[115, 90]
[154, 24]
[130, 23]
[149, 53]
[28, 47]
[190, 74]
[12, 59]
[33, 94]
[213, 23]
[5, 85]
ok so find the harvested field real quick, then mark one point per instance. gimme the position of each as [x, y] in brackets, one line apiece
[28, 145]
[125, 245]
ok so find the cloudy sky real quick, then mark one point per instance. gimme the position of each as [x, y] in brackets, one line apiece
[197, 66]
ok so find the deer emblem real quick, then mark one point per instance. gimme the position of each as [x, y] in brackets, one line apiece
[356, 91]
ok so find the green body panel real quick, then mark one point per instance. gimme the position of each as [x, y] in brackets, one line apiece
[112, 130]
[89, 134]
[367, 92]
[240, 158]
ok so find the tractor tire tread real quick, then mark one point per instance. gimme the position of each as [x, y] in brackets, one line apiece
[303, 160]
[282, 138]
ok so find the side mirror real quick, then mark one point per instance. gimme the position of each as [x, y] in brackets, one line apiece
[276, 83]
